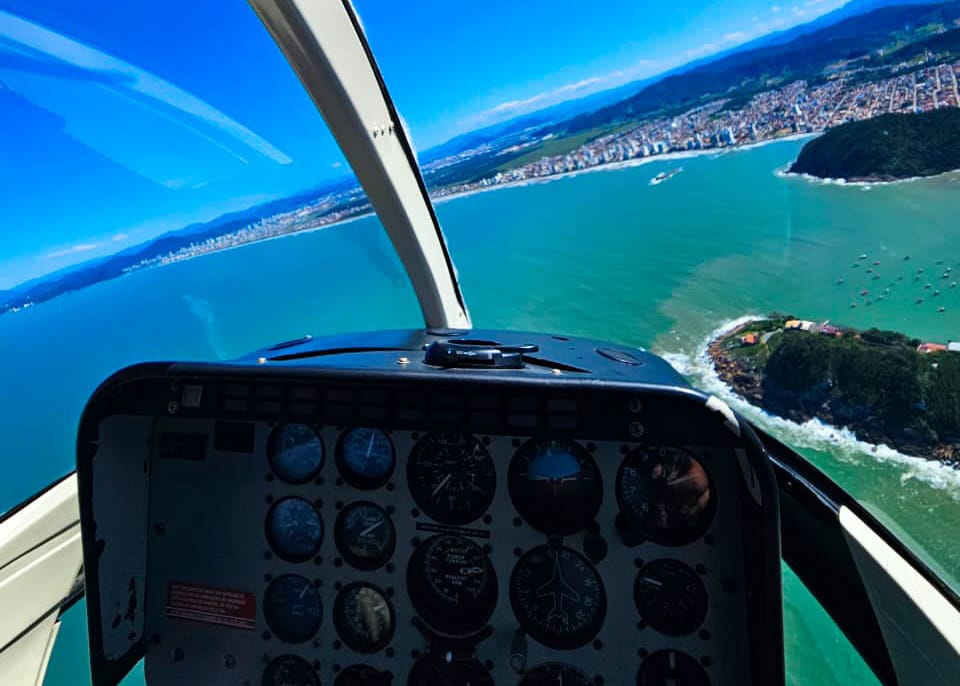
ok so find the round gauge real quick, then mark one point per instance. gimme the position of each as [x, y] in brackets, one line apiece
[665, 492]
[558, 597]
[289, 670]
[555, 674]
[292, 608]
[295, 452]
[364, 617]
[365, 457]
[365, 535]
[362, 675]
[670, 597]
[294, 529]
[452, 584]
[437, 670]
[555, 486]
[671, 668]
[451, 477]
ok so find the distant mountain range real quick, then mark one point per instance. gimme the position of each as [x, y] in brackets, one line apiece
[856, 29]
[805, 56]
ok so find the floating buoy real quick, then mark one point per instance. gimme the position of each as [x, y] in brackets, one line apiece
[941, 309]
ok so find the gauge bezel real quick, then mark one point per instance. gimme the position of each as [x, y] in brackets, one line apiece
[273, 453]
[276, 663]
[567, 642]
[343, 550]
[426, 660]
[370, 675]
[668, 537]
[701, 602]
[339, 623]
[427, 506]
[359, 481]
[529, 678]
[272, 623]
[530, 510]
[449, 622]
[277, 550]
[685, 657]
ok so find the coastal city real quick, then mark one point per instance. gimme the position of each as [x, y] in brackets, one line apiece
[796, 108]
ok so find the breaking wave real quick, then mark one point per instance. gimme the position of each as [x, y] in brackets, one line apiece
[814, 433]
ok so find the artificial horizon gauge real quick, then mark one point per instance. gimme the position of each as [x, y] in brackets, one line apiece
[558, 597]
[670, 597]
[666, 494]
[452, 584]
[671, 668]
[365, 457]
[440, 670]
[364, 535]
[295, 452]
[451, 477]
[289, 670]
[294, 529]
[292, 608]
[364, 617]
[555, 485]
[556, 674]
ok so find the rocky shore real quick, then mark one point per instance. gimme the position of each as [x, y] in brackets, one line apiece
[751, 383]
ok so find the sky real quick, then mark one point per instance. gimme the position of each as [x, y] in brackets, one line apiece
[122, 121]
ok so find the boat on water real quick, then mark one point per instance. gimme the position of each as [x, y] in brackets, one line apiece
[664, 176]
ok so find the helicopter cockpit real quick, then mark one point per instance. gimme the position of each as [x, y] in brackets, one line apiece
[443, 505]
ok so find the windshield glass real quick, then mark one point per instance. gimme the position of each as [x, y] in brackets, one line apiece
[120, 155]
[765, 195]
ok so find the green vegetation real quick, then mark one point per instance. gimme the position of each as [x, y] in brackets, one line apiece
[866, 40]
[888, 147]
[860, 374]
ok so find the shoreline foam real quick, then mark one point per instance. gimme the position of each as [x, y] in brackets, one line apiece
[839, 442]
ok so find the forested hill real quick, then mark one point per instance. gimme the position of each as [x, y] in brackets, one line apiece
[885, 148]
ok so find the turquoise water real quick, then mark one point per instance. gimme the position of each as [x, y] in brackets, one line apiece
[599, 254]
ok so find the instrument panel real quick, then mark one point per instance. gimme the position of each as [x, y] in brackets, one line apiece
[608, 540]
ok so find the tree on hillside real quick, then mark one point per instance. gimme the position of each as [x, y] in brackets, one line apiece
[801, 362]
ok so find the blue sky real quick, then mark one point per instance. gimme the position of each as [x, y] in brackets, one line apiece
[120, 121]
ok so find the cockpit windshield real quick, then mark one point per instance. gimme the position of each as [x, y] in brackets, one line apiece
[763, 195]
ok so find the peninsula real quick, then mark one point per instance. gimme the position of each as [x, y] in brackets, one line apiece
[890, 147]
[884, 386]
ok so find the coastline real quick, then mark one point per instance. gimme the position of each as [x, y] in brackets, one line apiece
[857, 182]
[813, 434]
[749, 385]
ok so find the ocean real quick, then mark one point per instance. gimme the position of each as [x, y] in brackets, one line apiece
[600, 254]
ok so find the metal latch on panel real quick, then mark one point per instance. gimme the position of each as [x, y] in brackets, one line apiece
[477, 354]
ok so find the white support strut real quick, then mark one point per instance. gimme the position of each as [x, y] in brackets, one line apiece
[325, 44]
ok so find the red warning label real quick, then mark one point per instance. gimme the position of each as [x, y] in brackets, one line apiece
[212, 605]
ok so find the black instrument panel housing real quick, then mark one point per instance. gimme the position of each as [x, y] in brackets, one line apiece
[150, 427]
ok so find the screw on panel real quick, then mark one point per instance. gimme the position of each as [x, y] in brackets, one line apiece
[229, 661]
[635, 405]
[636, 429]
[173, 407]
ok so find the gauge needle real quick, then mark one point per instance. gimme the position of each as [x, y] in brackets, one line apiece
[370, 444]
[442, 483]
[680, 479]
[371, 528]
[304, 591]
[651, 582]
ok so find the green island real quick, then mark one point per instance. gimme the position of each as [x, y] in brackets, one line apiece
[884, 386]
[886, 148]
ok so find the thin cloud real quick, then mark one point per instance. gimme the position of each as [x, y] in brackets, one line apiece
[735, 36]
[119, 237]
[80, 247]
[561, 93]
